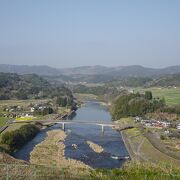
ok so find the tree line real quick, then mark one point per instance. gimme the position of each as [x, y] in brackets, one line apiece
[130, 104]
[14, 140]
[32, 86]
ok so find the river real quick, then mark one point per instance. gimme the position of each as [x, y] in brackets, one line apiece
[78, 134]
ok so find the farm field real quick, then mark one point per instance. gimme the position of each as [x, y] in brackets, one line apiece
[22, 102]
[171, 95]
[81, 96]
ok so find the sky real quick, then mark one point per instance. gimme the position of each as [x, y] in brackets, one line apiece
[71, 33]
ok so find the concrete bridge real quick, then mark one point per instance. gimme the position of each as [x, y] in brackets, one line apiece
[102, 124]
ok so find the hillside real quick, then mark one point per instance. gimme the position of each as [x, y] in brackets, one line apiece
[121, 71]
[25, 69]
[165, 81]
[14, 86]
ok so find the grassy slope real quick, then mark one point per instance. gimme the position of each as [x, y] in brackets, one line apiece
[3, 121]
[141, 149]
[81, 96]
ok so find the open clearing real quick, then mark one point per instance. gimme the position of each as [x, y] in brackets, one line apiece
[171, 95]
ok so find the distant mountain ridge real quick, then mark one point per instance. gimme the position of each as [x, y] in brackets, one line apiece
[123, 71]
[25, 69]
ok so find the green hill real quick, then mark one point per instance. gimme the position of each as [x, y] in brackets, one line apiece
[14, 86]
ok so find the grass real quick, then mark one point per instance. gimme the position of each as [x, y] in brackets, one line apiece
[139, 171]
[81, 96]
[140, 147]
[3, 121]
[171, 95]
[133, 171]
[51, 152]
[63, 110]
[13, 127]
[126, 122]
[22, 102]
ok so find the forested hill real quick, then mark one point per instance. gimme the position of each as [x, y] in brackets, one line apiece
[165, 81]
[25, 69]
[28, 86]
[119, 71]
[161, 81]
[116, 76]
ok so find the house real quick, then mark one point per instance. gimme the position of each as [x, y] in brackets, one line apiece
[178, 126]
[32, 109]
[163, 124]
[137, 119]
[38, 107]
[148, 124]
[131, 91]
[166, 124]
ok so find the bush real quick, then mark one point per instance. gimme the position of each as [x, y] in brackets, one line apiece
[148, 95]
[16, 139]
[162, 137]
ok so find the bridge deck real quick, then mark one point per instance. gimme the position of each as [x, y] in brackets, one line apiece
[70, 122]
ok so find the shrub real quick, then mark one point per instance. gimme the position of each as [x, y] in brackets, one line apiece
[17, 138]
[162, 137]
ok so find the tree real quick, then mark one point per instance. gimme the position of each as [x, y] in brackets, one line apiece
[61, 101]
[148, 95]
[135, 105]
[17, 138]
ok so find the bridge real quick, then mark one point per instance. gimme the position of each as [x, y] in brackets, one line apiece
[87, 123]
[102, 124]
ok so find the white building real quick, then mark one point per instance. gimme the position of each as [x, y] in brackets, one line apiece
[32, 109]
[178, 126]
[166, 124]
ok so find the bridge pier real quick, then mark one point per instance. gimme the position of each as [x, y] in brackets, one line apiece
[63, 126]
[102, 129]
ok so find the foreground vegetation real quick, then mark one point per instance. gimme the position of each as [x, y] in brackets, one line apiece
[3, 121]
[130, 171]
[13, 140]
[138, 171]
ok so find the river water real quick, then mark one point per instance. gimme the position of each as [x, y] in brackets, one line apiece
[78, 134]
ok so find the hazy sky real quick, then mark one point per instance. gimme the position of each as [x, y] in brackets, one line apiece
[67, 33]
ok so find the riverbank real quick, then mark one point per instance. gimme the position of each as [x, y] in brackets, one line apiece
[77, 148]
[140, 148]
[51, 152]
